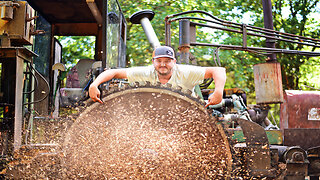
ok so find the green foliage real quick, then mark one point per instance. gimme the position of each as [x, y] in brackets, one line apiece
[138, 48]
[310, 75]
[75, 48]
[290, 16]
[299, 21]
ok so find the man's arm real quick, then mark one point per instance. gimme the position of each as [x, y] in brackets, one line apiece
[107, 75]
[219, 76]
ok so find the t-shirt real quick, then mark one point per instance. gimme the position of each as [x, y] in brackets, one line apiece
[186, 76]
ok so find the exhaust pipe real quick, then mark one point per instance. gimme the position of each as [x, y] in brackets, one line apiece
[144, 17]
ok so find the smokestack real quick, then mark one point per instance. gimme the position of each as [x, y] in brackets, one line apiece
[144, 17]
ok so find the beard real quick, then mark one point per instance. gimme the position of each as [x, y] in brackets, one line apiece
[163, 73]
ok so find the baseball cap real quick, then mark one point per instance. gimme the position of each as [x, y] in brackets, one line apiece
[163, 51]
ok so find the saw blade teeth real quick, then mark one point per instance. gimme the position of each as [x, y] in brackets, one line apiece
[110, 91]
[201, 101]
[126, 86]
[148, 84]
[194, 96]
[187, 91]
[168, 85]
[133, 85]
[116, 89]
[142, 84]
[123, 87]
[158, 84]
[178, 88]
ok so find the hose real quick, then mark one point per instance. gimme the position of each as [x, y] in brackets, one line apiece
[47, 83]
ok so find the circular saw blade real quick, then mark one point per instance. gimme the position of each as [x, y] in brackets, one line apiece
[146, 132]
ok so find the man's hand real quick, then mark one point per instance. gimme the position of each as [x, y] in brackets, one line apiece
[94, 93]
[214, 98]
[219, 76]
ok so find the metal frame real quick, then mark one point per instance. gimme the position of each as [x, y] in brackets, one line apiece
[105, 23]
[245, 30]
[20, 56]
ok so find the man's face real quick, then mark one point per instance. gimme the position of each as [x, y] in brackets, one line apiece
[163, 65]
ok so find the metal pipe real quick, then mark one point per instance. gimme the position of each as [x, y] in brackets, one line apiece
[184, 41]
[268, 32]
[264, 32]
[268, 23]
[273, 50]
[184, 33]
[168, 32]
[144, 17]
[151, 35]
[254, 34]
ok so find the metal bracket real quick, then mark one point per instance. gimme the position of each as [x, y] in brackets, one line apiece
[258, 151]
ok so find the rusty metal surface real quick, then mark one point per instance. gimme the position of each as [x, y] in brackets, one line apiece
[19, 29]
[305, 138]
[268, 83]
[314, 158]
[258, 152]
[147, 133]
[300, 109]
[296, 163]
[184, 42]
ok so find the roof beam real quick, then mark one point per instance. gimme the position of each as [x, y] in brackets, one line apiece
[75, 29]
[95, 11]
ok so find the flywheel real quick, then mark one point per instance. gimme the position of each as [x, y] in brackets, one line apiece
[145, 132]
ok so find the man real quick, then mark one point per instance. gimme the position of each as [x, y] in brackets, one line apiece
[165, 70]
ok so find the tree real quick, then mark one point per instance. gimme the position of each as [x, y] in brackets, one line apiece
[75, 48]
[239, 64]
[138, 48]
[299, 22]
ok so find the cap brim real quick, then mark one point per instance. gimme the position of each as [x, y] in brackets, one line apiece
[160, 56]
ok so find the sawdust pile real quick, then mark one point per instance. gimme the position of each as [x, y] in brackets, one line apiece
[145, 135]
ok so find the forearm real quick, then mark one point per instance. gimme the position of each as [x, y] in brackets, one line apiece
[219, 76]
[103, 77]
[108, 75]
[219, 81]
[218, 92]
